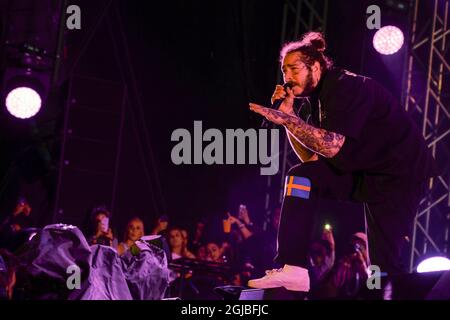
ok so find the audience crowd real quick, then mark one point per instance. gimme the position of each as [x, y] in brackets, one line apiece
[202, 260]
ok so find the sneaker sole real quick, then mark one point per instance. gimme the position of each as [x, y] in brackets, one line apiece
[290, 288]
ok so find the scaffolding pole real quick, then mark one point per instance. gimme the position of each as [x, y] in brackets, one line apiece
[427, 94]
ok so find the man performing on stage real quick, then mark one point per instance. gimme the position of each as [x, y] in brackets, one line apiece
[358, 144]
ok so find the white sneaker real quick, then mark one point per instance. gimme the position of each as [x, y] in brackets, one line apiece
[293, 278]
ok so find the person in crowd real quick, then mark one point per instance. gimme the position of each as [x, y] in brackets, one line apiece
[134, 231]
[322, 256]
[185, 236]
[13, 228]
[243, 228]
[160, 226]
[178, 246]
[214, 252]
[198, 240]
[201, 253]
[351, 271]
[8, 263]
[255, 250]
[102, 233]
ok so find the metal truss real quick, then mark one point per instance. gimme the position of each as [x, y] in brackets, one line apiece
[426, 98]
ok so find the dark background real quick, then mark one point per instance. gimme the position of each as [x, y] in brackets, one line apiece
[180, 61]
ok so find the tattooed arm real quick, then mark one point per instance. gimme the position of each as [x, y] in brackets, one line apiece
[321, 141]
[302, 153]
[318, 140]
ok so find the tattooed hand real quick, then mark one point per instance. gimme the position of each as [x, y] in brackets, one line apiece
[275, 116]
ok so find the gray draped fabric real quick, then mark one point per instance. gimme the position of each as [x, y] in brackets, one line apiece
[103, 274]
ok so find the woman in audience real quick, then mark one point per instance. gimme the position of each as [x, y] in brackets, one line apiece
[214, 252]
[134, 231]
[178, 245]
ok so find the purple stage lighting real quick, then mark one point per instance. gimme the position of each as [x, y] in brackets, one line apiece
[23, 102]
[388, 40]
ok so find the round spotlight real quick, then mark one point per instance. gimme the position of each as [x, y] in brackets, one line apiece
[23, 102]
[434, 264]
[388, 40]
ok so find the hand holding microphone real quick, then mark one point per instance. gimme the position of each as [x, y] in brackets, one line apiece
[283, 100]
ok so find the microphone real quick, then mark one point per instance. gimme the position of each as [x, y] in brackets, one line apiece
[275, 105]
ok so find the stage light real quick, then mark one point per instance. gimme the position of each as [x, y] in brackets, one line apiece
[25, 92]
[388, 40]
[434, 264]
[23, 102]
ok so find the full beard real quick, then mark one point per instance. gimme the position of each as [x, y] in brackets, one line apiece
[308, 84]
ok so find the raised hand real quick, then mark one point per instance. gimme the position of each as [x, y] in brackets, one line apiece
[275, 116]
[288, 102]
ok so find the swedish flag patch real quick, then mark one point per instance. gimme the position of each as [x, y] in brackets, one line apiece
[299, 187]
